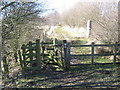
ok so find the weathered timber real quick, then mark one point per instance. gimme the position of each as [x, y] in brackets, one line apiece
[38, 54]
[5, 66]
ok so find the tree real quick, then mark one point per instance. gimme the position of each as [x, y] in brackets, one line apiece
[105, 29]
[53, 18]
[79, 14]
[17, 23]
[103, 15]
[7, 5]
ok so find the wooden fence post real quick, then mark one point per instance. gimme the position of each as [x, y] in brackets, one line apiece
[68, 55]
[38, 54]
[30, 51]
[65, 55]
[42, 50]
[115, 52]
[61, 49]
[5, 65]
[20, 58]
[23, 54]
[54, 41]
[54, 44]
[92, 53]
[56, 49]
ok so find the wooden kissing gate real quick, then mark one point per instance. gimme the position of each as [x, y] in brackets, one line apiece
[33, 55]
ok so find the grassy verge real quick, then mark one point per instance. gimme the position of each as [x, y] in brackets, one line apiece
[77, 77]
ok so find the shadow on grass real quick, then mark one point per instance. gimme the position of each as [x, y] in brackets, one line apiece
[90, 84]
[77, 77]
[91, 79]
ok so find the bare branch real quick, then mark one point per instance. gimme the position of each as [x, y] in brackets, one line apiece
[7, 5]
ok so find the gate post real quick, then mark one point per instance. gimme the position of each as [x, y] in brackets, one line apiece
[115, 52]
[38, 54]
[92, 53]
[54, 44]
[23, 54]
[31, 52]
[68, 55]
[66, 62]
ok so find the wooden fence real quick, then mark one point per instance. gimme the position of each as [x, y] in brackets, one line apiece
[32, 55]
[35, 54]
[30, 58]
[65, 54]
[68, 55]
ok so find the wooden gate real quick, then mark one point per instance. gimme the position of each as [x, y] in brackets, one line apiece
[35, 56]
[68, 55]
[30, 58]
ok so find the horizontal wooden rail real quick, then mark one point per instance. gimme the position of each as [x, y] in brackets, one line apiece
[72, 55]
[47, 43]
[95, 45]
[104, 45]
[80, 45]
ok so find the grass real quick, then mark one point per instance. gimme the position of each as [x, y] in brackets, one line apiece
[81, 50]
[87, 60]
[103, 60]
[87, 68]
[59, 31]
[79, 41]
[77, 77]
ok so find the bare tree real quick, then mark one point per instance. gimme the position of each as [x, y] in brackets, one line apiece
[104, 17]
[53, 18]
[17, 23]
[79, 14]
[105, 29]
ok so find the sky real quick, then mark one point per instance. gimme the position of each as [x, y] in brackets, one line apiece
[62, 5]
